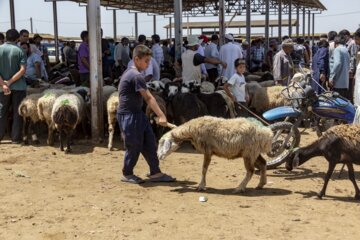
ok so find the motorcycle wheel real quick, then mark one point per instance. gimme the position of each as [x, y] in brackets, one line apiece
[281, 149]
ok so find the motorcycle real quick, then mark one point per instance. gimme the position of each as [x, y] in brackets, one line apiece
[318, 111]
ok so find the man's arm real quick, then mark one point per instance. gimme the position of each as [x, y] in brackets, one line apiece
[228, 92]
[38, 69]
[336, 66]
[85, 62]
[17, 75]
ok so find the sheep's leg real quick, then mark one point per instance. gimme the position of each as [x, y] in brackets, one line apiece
[50, 139]
[261, 163]
[206, 162]
[68, 142]
[250, 169]
[352, 179]
[35, 130]
[26, 126]
[112, 122]
[331, 168]
[61, 136]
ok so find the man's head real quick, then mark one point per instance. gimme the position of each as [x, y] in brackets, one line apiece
[240, 66]
[273, 44]
[37, 39]
[72, 44]
[285, 37]
[204, 38]
[193, 42]
[84, 36]
[142, 38]
[331, 35]
[2, 38]
[345, 34]
[165, 43]
[215, 39]
[125, 41]
[142, 57]
[155, 38]
[26, 48]
[288, 45]
[24, 35]
[340, 40]
[229, 38]
[12, 35]
[357, 36]
[300, 40]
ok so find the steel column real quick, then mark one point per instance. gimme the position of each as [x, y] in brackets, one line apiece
[222, 21]
[313, 29]
[304, 23]
[290, 17]
[136, 26]
[170, 29]
[267, 20]
[280, 20]
[297, 21]
[309, 24]
[154, 20]
[96, 80]
[31, 25]
[12, 14]
[178, 27]
[56, 32]
[248, 29]
[114, 25]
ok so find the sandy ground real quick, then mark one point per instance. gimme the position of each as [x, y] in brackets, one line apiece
[46, 194]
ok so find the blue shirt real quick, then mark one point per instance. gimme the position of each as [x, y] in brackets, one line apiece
[340, 67]
[130, 99]
[30, 65]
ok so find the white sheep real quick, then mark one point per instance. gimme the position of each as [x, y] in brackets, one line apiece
[227, 138]
[111, 108]
[267, 98]
[68, 111]
[44, 107]
[207, 87]
[28, 110]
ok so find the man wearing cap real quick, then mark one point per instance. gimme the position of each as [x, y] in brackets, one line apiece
[283, 69]
[191, 61]
[229, 53]
[44, 51]
[201, 50]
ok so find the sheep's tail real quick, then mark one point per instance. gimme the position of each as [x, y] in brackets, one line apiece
[40, 109]
[23, 111]
[65, 115]
[357, 116]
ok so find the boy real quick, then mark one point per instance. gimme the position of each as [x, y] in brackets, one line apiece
[136, 128]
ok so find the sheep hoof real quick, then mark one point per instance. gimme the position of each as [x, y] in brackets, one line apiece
[201, 188]
[260, 187]
[357, 196]
[26, 142]
[320, 195]
[61, 149]
[68, 150]
[239, 190]
[36, 142]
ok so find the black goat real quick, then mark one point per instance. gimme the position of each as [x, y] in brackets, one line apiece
[339, 144]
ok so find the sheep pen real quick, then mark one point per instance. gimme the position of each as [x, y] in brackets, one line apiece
[339, 144]
[227, 138]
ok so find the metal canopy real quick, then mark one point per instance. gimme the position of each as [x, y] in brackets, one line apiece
[234, 24]
[205, 7]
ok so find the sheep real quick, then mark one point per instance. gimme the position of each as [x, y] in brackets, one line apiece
[28, 110]
[339, 144]
[156, 86]
[268, 98]
[44, 108]
[165, 80]
[267, 83]
[111, 108]
[68, 111]
[157, 129]
[207, 87]
[227, 138]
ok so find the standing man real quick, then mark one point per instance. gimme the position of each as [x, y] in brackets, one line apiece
[122, 55]
[157, 51]
[339, 68]
[83, 60]
[211, 50]
[257, 55]
[70, 54]
[12, 84]
[331, 40]
[283, 69]
[228, 54]
[357, 77]
[42, 49]
[2, 39]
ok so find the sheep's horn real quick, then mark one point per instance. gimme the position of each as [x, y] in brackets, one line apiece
[169, 125]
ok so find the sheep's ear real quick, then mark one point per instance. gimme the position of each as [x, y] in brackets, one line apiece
[167, 145]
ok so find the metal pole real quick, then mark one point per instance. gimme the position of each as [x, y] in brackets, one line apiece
[313, 29]
[12, 14]
[178, 27]
[248, 29]
[154, 17]
[136, 26]
[114, 25]
[96, 80]
[297, 21]
[222, 21]
[87, 18]
[280, 20]
[267, 20]
[31, 25]
[309, 24]
[187, 26]
[170, 29]
[290, 16]
[304, 23]
[56, 32]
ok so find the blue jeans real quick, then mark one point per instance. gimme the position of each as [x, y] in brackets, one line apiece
[14, 100]
[138, 138]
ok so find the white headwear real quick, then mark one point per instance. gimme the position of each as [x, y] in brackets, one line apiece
[193, 40]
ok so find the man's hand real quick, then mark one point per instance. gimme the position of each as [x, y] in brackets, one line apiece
[224, 64]
[162, 121]
[322, 77]
[331, 83]
[6, 89]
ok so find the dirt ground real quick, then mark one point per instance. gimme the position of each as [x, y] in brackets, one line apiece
[46, 194]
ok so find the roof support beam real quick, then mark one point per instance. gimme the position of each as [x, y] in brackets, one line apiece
[280, 20]
[298, 21]
[222, 29]
[114, 25]
[267, 20]
[290, 16]
[56, 32]
[12, 14]
[96, 81]
[313, 29]
[248, 30]
[309, 24]
[304, 23]
[136, 26]
[154, 22]
[178, 27]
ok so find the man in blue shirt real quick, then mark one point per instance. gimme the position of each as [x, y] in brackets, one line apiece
[12, 84]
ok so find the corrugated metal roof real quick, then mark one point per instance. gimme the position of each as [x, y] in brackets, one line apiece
[164, 7]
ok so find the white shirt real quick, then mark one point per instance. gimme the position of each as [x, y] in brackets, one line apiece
[229, 53]
[211, 50]
[357, 87]
[190, 72]
[237, 87]
[153, 69]
[158, 53]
